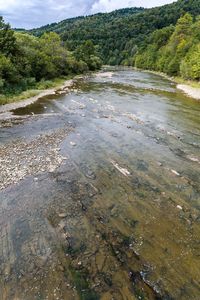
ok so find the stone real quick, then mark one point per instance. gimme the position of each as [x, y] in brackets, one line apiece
[179, 207]
[73, 144]
[62, 215]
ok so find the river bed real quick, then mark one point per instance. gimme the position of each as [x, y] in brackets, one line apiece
[100, 192]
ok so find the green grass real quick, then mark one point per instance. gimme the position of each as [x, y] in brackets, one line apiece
[36, 90]
[191, 83]
[5, 99]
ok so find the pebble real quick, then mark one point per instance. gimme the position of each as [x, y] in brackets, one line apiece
[22, 158]
[175, 172]
[62, 215]
[179, 207]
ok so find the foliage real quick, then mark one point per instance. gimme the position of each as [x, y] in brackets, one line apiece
[173, 50]
[190, 65]
[119, 34]
[88, 54]
[26, 59]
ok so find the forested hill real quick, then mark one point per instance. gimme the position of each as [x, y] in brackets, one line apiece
[120, 33]
[99, 18]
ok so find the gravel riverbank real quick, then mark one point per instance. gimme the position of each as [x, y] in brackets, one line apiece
[190, 91]
[22, 158]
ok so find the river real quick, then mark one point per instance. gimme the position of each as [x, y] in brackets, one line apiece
[100, 192]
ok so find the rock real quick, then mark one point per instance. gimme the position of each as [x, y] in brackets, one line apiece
[179, 207]
[142, 165]
[73, 144]
[175, 172]
[62, 215]
[61, 268]
[194, 159]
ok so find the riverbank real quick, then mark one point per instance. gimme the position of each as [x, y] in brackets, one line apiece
[188, 87]
[40, 87]
[190, 91]
[59, 86]
[55, 87]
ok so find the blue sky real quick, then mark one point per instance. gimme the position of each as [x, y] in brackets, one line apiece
[34, 13]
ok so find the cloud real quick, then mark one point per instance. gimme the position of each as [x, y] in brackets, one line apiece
[34, 13]
[109, 5]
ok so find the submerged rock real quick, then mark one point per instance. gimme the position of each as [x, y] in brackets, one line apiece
[73, 144]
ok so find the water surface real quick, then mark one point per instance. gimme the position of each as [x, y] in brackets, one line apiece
[119, 219]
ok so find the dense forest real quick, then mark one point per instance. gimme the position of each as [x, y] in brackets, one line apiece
[25, 60]
[119, 34]
[164, 39]
[173, 50]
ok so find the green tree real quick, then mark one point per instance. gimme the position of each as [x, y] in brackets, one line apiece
[190, 65]
[8, 44]
[88, 54]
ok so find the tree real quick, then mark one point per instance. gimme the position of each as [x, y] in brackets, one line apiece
[173, 50]
[88, 54]
[190, 66]
[8, 44]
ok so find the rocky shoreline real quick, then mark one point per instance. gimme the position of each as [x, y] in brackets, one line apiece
[186, 88]
[190, 91]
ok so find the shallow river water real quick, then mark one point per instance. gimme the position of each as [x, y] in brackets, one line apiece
[119, 218]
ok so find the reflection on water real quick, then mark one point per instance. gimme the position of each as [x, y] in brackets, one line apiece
[120, 218]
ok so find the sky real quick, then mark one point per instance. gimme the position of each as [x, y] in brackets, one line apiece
[34, 13]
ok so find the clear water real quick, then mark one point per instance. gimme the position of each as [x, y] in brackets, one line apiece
[120, 218]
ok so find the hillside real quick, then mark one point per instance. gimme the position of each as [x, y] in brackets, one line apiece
[120, 33]
[99, 18]
[174, 50]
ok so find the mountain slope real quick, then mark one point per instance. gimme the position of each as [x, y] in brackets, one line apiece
[120, 33]
[72, 23]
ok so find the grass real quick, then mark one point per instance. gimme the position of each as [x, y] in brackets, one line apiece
[36, 90]
[192, 83]
[5, 99]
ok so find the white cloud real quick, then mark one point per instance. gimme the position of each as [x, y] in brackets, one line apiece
[34, 13]
[109, 5]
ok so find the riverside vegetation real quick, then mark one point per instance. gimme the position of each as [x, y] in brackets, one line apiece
[164, 39]
[28, 62]
[173, 50]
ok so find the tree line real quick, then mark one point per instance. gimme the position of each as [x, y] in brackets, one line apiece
[25, 59]
[120, 34]
[174, 50]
